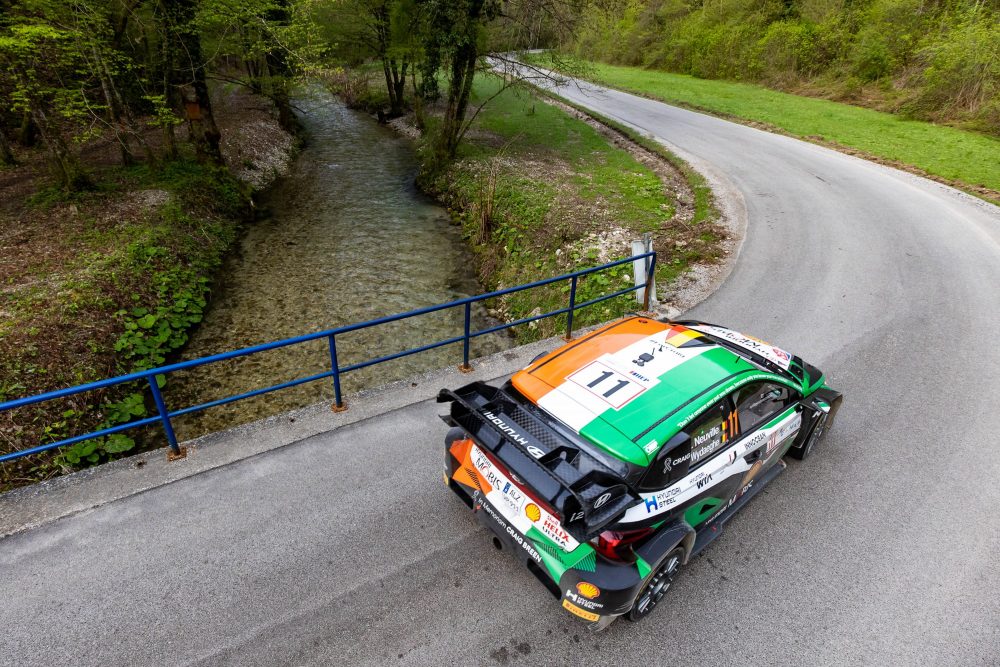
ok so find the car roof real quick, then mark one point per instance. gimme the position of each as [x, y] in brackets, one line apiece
[631, 385]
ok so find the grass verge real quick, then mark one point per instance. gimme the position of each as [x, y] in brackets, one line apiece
[540, 192]
[965, 159]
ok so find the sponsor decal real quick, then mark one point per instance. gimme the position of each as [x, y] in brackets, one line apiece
[516, 507]
[512, 496]
[602, 499]
[588, 590]
[754, 440]
[583, 600]
[763, 348]
[650, 446]
[582, 613]
[733, 500]
[523, 543]
[517, 437]
[661, 499]
[640, 376]
[704, 481]
[551, 529]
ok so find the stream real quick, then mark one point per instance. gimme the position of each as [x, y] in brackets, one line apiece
[345, 237]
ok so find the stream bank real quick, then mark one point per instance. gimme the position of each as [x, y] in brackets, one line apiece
[112, 279]
[345, 237]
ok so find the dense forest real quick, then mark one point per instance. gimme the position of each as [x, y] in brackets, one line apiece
[72, 71]
[937, 60]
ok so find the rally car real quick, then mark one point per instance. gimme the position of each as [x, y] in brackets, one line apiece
[608, 463]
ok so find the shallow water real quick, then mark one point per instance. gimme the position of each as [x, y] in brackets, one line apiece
[347, 237]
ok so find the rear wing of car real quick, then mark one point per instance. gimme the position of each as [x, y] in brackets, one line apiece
[586, 494]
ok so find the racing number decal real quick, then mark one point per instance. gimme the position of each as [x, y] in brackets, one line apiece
[730, 426]
[600, 380]
[609, 385]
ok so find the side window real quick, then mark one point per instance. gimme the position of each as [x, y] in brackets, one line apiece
[710, 432]
[759, 400]
[670, 464]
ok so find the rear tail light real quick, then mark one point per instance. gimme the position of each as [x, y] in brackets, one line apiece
[617, 545]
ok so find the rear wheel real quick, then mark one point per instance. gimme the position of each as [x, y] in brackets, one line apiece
[656, 586]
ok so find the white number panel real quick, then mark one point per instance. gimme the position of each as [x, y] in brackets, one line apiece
[607, 384]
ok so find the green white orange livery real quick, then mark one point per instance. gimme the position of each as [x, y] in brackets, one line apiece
[609, 462]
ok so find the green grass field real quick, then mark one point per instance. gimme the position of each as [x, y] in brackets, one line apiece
[966, 157]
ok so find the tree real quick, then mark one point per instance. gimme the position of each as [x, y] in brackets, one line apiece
[456, 39]
[454, 31]
[255, 33]
[36, 56]
[185, 73]
[384, 30]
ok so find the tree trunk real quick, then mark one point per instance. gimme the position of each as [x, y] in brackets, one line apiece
[390, 88]
[6, 155]
[395, 80]
[189, 77]
[65, 164]
[418, 101]
[280, 72]
[114, 113]
[169, 143]
[463, 71]
[28, 132]
[169, 92]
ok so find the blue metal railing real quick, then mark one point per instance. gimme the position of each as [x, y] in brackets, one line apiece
[336, 370]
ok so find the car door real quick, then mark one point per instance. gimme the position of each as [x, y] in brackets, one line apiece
[721, 452]
[769, 417]
[710, 478]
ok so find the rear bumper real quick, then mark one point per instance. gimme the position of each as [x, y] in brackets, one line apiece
[617, 583]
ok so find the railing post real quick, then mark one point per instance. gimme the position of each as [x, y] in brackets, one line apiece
[572, 305]
[650, 268]
[176, 451]
[465, 367]
[338, 405]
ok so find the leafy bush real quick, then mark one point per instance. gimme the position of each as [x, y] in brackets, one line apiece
[962, 77]
[937, 60]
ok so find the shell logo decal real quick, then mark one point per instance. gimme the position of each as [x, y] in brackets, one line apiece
[532, 512]
[588, 590]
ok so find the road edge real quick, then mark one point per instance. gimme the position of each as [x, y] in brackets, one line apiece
[30, 507]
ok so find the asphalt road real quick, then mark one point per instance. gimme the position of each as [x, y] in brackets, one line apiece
[884, 548]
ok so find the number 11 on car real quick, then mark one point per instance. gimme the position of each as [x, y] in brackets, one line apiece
[611, 386]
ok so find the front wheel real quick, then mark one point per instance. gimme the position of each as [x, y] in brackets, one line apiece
[823, 424]
[656, 586]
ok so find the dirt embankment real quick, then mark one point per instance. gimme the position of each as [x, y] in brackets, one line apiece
[111, 280]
